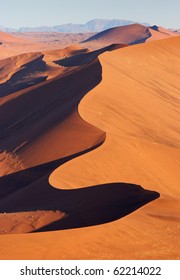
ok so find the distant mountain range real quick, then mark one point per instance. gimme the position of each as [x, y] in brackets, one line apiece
[95, 25]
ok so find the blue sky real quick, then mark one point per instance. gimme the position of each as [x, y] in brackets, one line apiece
[31, 13]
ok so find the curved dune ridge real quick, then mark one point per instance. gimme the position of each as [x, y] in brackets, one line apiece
[129, 34]
[26, 152]
[55, 103]
[124, 34]
[135, 114]
[23, 150]
[140, 123]
[29, 69]
[142, 144]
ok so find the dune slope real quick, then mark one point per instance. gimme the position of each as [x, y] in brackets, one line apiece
[53, 125]
[18, 43]
[129, 34]
[138, 111]
[137, 104]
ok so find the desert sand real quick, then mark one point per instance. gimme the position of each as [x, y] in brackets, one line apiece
[130, 34]
[90, 153]
[18, 43]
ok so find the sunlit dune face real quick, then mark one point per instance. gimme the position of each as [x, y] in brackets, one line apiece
[90, 149]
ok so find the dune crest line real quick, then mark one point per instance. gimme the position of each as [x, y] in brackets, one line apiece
[58, 128]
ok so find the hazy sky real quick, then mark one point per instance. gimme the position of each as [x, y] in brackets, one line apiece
[18, 13]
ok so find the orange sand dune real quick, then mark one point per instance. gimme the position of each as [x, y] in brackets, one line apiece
[7, 38]
[11, 45]
[18, 43]
[25, 70]
[122, 34]
[140, 122]
[139, 110]
[129, 34]
[41, 130]
[26, 196]
[27, 131]
[25, 126]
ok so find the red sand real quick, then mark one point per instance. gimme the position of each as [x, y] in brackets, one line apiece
[135, 113]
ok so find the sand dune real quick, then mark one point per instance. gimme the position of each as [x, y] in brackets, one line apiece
[129, 34]
[34, 125]
[36, 129]
[12, 45]
[25, 70]
[122, 34]
[142, 143]
[7, 38]
[26, 196]
[18, 43]
[124, 135]
[147, 116]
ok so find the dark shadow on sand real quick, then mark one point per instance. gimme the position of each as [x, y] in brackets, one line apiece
[16, 181]
[29, 189]
[26, 118]
[100, 204]
[27, 76]
[93, 205]
[84, 58]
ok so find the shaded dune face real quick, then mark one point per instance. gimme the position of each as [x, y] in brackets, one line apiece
[60, 98]
[131, 34]
[84, 58]
[30, 120]
[28, 74]
[123, 34]
[100, 204]
[25, 70]
[76, 208]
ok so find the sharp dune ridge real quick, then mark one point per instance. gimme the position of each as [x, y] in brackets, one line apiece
[19, 186]
[141, 144]
[66, 166]
[131, 34]
[124, 34]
